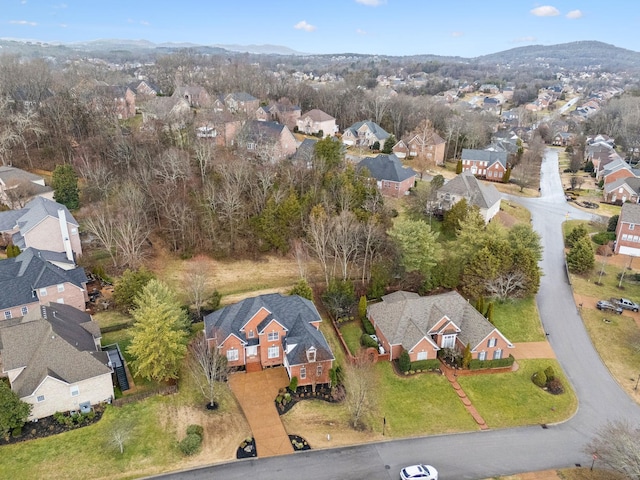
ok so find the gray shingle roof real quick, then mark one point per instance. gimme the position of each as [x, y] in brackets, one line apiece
[22, 276]
[9, 174]
[468, 186]
[404, 319]
[485, 156]
[317, 115]
[386, 167]
[36, 345]
[40, 208]
[291, 311]
[630, 213]
[379, 132]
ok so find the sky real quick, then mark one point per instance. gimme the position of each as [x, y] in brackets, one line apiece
[462, 28]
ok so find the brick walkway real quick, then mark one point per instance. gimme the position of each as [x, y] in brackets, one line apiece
[256, 393]
[521, 351]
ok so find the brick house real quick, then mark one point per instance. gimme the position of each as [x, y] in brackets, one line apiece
[484, 196]
[119, 99]
[392, 178]
[242, 102]
[37, 277]
[196, 96]
[484, 163]
[42, 224]
[53, 360]
[430, 145]
[272, 330]
[270, 140]
[285, 112]
[623, 190]
[316, 121]
[365, 134]
[628, 230]
[424, 325]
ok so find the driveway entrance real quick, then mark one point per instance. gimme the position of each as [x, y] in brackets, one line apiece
[256, 392]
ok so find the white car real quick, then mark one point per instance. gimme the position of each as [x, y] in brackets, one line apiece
[423, 472]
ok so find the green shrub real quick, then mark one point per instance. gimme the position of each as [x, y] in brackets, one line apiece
[195, 429]
[499, 363]
[550, 373]
[362, 307]
[368, 342]
[425, 364]
[539, 378]
[367, 326]
[190, 445]
[404, 362]
[293, 384]
[602, 238]
[16, 432]
[279, 399]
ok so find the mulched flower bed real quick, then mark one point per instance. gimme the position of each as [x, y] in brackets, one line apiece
[299, 444]
[48, 426]
[306, 393]
[247, 449]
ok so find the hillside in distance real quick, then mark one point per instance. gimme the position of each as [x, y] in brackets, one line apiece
[573, 55]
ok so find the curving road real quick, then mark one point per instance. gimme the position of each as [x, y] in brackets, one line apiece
[490, 453]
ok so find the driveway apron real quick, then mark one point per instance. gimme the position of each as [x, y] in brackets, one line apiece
[256, 393]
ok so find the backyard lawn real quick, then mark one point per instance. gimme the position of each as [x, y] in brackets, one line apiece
[518, 320]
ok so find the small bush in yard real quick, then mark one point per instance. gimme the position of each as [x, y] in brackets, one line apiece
[404, 362]
[367, 326]
[550, 373]
[197, 429]
[293, 384]
[367, 342]
[190, 445]
[555, 386]
[539, 378]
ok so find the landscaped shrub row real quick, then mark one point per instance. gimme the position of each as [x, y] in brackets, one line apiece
[367, 326]
[425, 365]
[602, 238]
[502, 362]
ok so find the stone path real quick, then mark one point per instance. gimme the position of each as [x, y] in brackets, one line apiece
[256, 393]
[453, 380]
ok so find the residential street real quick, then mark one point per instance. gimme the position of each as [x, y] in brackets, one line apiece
[485, 454]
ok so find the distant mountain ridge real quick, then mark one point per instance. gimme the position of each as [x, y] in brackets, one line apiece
[570, 55]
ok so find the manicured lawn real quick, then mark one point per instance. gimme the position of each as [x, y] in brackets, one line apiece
[419, 404]
[85, 453]
[518, 320]
[509, 399]
[521, 214]
[110, 318]
[351, 332]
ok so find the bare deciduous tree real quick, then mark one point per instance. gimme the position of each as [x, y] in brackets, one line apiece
[360, 384]
[617, 445]
[207, 366]
[504, 285]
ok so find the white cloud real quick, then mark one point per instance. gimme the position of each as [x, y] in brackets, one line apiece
[144, 22]
[359, 31]
[545, 11]
[528, 39]
[456, 34]
[574, 14]
[23, 22]
[63, 25]
[371, 3]
[303, 25]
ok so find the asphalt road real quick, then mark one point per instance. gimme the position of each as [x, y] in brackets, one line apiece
[479, 455]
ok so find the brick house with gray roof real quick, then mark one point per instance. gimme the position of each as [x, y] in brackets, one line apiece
[485, 164]
[365, 134]
[37, 277]
[17, 187]
[53, 360]
[392, 178]
[424, 325]
[484, 196]
[316, 121]
[272, 330]
[628, 230]
[269, 140]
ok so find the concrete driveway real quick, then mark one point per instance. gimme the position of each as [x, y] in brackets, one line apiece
[256, 393]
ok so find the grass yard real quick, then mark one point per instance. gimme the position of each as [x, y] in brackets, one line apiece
[518, 320]
[423, 404]
[587, 284]
[517, 211]
[617, 344]
[351, 332]
[112, 318]
[509, 399]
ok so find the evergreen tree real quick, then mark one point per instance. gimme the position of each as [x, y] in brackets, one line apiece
[581, 258]
[419, 249]
[302, 289]
[13, 411]
[576, 233]
[362, 307]
[159, 333]
[129, 286]
[388, 144]
[466, 356]
[507, 175]
[459, 167]
[64, 182]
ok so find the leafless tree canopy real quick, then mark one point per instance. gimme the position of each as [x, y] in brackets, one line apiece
[617, 446]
